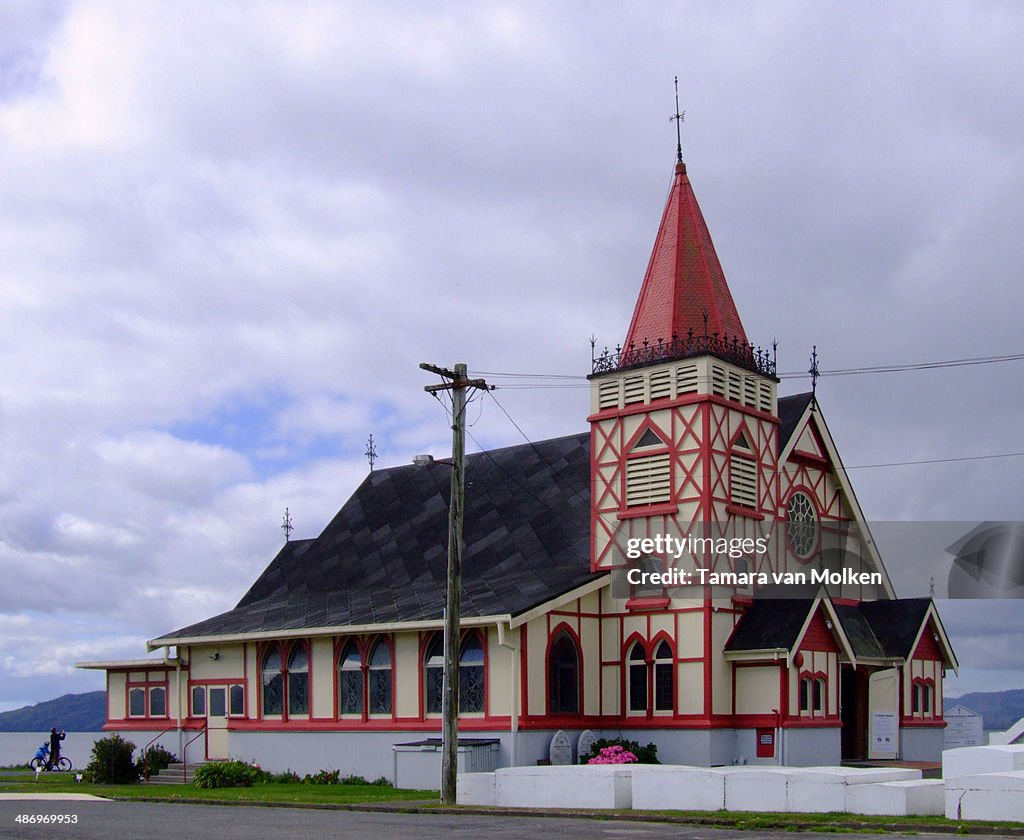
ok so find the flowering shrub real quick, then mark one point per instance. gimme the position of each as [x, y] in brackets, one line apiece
[605, 751]
[616, 754]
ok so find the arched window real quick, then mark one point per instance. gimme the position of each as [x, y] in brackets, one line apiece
[273, 683]
[433, 677]
[564, 676]
[350, 681]
[637, 678]
[471, 674]
[663, 680]
[298, 681]
[380, 679]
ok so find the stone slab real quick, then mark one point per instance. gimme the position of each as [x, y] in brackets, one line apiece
[973, 761]
[822, 790]
[475, 789]
[988, 796]
[758, 788]
[575, 786]
[918, 797]
[679, 788]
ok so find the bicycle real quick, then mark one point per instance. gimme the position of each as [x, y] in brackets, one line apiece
[42, 758]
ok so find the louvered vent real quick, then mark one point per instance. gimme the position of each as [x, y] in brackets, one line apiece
[743, 481]
[718, 380]
[749, 391]
[735, 381]
[764, 396]
[686, 379]
[661, 384]
[608, 394]
[634, 389]
[648, 480]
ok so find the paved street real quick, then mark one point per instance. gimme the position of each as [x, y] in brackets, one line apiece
[132, 820]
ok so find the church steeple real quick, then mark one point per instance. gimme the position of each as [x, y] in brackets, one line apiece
[684, 290]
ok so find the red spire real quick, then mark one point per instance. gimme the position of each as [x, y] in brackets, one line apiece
[684, 278]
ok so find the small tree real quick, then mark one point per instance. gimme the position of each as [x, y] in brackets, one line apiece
[112, 762]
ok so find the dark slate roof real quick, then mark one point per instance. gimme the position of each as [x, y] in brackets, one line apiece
[770, 624]
[875, 629]
[896, 623]
[791, 409]
[383, 557]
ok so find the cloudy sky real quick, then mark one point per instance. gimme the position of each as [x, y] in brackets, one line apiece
[230, 232]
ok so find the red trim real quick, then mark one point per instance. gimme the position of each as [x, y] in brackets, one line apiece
[743, 510]
[640, 511]
[647, 603]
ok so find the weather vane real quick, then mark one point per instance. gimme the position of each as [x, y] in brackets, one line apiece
[678, 118]
[286, 525]
[815, 373]
[371, 452]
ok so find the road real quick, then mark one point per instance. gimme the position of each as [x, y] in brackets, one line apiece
[134, 820]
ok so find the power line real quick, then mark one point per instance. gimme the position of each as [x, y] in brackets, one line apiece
[936, 461]
[578, 381]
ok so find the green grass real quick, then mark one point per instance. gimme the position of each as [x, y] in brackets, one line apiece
[309, 794]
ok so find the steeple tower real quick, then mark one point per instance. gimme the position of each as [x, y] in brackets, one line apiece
[684, 290]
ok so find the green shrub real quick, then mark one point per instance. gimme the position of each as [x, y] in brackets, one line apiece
[112, 762]
[224, 774]
[644, 755]
[288, 777]
[382, 781]
[324, 777]
[157, 759]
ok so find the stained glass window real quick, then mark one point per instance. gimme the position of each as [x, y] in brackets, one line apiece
[298, 682]
[380, 680]
[434, 676]
[471, 675]
[801, 525]
[273, 684]
[350, 681]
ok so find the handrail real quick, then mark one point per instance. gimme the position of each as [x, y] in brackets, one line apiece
[184, 753]
[145, 750]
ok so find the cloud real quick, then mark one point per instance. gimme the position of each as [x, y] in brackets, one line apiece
[230, 234]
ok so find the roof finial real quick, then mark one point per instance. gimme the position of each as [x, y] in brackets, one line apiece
[815, 373]
[286, 525]
[678, 117]
[371, 452]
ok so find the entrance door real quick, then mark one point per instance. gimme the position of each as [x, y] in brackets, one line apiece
[853, 710]
[217, 722]
[884, 714]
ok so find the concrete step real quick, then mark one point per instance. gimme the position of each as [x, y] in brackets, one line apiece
[174, 774]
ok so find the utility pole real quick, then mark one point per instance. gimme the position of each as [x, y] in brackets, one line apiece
[456, 382]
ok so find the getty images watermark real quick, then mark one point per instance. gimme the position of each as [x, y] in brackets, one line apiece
[918, 559]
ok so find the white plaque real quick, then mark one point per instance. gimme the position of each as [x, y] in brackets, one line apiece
[560, 751]
[964, 728]
[883, 731]
[585, 744]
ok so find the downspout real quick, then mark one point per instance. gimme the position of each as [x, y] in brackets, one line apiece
[514, 681]
[177, 688]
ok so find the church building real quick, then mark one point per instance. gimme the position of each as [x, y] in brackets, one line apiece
[693, 571]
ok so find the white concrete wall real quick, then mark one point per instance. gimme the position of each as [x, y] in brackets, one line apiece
[17, 748]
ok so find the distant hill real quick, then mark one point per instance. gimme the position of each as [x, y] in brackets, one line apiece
[1000, 709]
[72, 712]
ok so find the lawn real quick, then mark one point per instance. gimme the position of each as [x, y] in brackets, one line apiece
[288, 793]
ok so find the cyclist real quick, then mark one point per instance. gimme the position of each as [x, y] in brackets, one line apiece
[55, 739]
